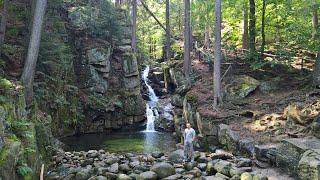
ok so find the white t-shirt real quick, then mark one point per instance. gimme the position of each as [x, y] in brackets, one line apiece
[189, 134]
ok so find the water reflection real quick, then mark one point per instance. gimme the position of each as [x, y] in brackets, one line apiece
[143, 142]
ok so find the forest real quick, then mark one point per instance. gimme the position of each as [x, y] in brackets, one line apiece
[159, 89]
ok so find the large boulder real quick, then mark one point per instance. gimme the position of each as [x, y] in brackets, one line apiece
[291, 150]
[228, 138]
[177, 156]
[163, 169]
[223, 167]
[309, 165]
[240, 87]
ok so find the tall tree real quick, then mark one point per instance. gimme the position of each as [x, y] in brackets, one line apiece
[168, 51]
[315, 37]
[187, 38]
[4, 21]
[134, 26]
[252, 27]
[217, 55]
[245, 34]
[263, 35]
[33, 49]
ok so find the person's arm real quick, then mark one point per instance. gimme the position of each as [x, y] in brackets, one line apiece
[193, 135]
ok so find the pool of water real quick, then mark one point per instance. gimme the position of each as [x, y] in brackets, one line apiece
[139, 142]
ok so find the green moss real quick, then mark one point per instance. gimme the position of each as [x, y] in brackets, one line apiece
[3, 155]
[5, 84]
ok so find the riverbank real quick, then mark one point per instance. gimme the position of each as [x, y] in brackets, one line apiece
[102, 165]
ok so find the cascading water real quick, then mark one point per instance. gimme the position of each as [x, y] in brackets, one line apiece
[151, 106]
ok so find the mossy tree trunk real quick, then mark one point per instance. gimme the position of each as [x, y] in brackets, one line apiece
[33, 50]
[4, 21]
[263, 36]
[252, 28]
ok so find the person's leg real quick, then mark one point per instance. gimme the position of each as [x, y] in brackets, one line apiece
[191, 152]
[186, 152]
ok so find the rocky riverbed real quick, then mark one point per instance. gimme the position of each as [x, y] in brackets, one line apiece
[102, 165]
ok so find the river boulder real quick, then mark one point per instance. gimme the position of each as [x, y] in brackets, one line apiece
[163, 169]
[177, 156]
[148, 175]
[309, 165]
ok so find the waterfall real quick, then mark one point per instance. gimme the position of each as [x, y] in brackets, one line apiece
[151, 106]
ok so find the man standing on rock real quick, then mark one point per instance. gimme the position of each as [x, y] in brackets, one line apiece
[189, 137]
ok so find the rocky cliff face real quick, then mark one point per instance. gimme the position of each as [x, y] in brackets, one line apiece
[106, 70]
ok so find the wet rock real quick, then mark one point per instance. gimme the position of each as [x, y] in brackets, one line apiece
[176, 156]
[114, 168]
[102, 170]
[246, 176]
[180, 170]
[210, 168]
[157, 154]
[195, 172]
[190, 165]
[223, 167]
[82, 175]
[87, 162]
[93, 154]
[111, 176]
[309, 165]
[112, 160]
[123, 177]
[98, 178]
[202, 166]
[148, 175]
[124, 168]
[228, 138]
[163, 169]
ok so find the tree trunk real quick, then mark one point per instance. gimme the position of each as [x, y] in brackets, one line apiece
[4, 21]
[168, 53]
[315, 20]
[187, 62]
[315, 24]
[134, 26]
[316, 71]
[33, 50]
[206, 38]
[217, 55]
[245, 35]
[252, 28]
[263, 36]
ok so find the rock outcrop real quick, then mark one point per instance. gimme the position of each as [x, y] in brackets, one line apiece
[106, 70]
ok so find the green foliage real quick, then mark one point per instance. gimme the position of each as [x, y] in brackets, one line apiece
[23, 169]
[5, 84]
